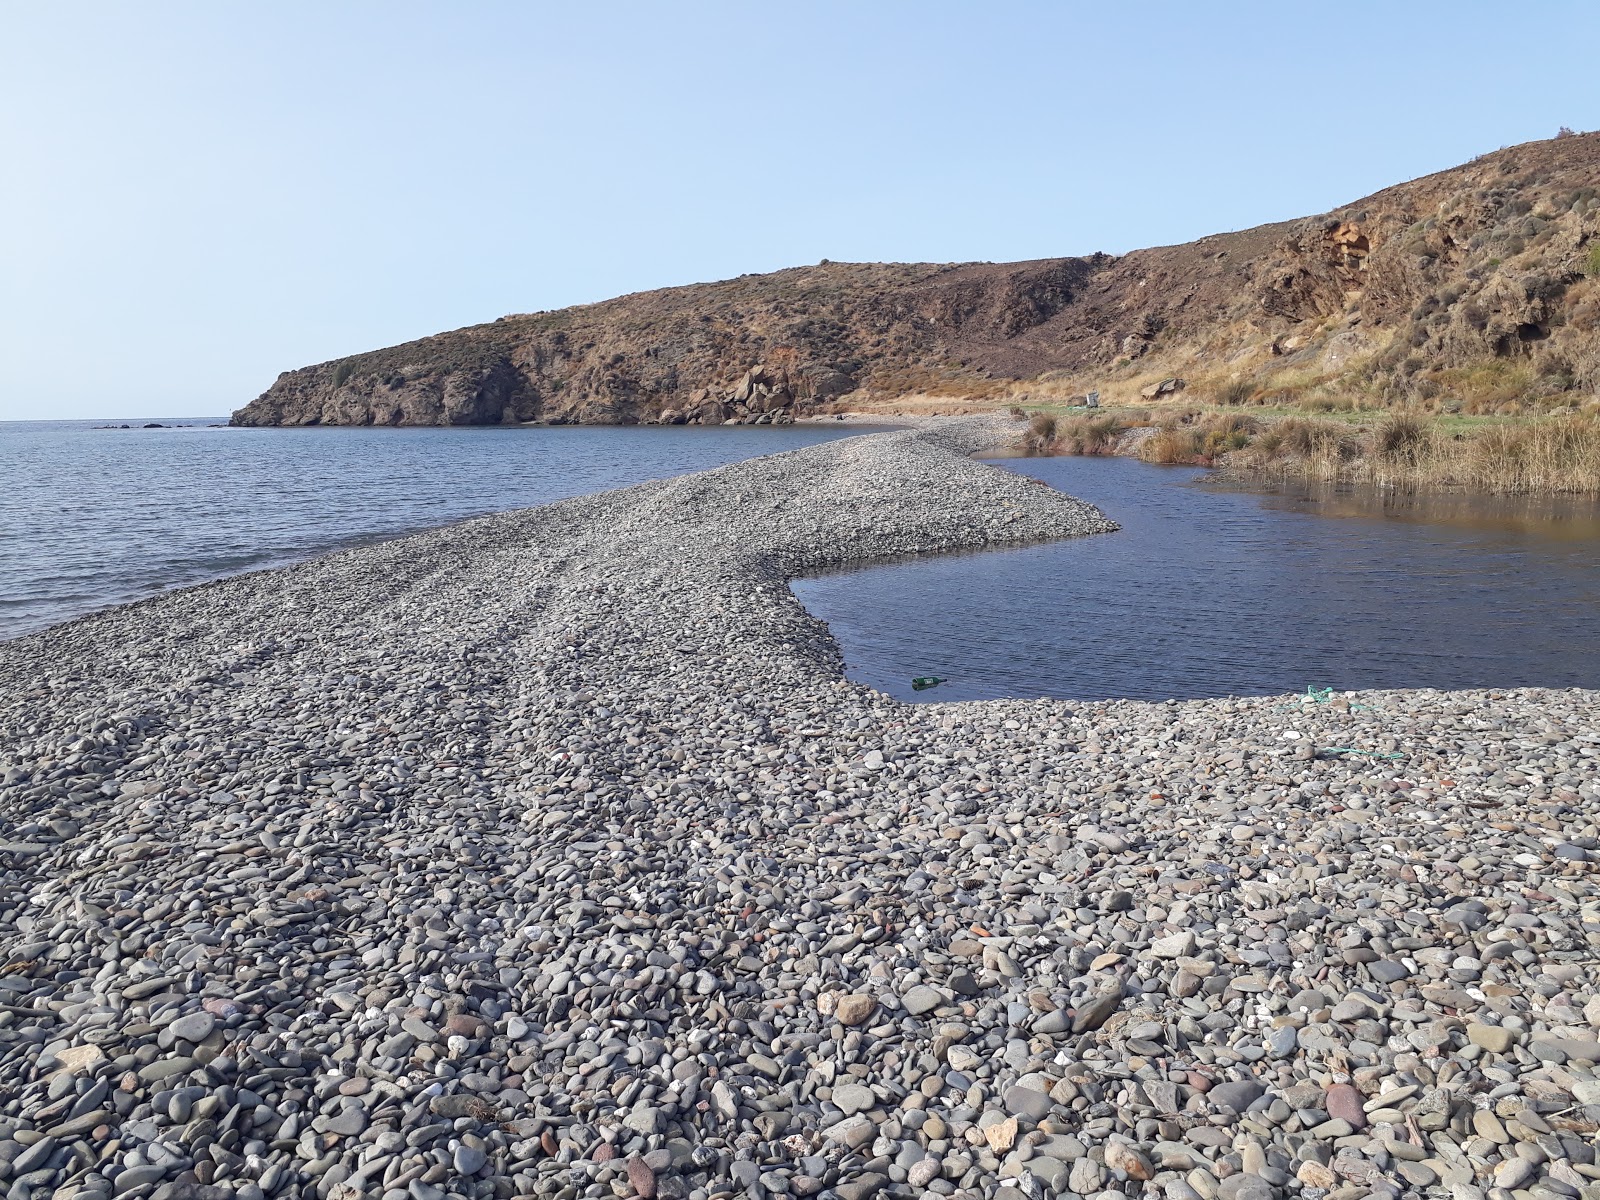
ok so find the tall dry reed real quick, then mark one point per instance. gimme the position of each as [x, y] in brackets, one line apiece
[1088, 435]
[1548, 454]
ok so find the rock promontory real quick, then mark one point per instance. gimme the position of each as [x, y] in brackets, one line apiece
[1488, 274]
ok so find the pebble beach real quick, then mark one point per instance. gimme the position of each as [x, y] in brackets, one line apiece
[551, 855]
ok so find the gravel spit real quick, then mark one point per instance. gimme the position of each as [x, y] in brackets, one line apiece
[550, 855]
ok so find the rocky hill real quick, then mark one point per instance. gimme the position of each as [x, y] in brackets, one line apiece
[1478, 285]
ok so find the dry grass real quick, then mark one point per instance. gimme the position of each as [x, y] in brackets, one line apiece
[1088, 435]
[1302, 446]
[1170, 447]
[1404, 440]
[1556, 454]
[909, 404]
[1496, 387]
[1526, 455]
[1529, 424]
[1198, 438]
[1041, 435]
[947, 384]
[1236, 391]
[1541, 455]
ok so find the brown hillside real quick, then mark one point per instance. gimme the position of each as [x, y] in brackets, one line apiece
[1479, 286]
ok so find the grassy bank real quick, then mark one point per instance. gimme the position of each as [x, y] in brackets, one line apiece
[1547, 454]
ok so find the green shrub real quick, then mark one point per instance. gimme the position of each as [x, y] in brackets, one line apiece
[1591, 266]
[342, 372]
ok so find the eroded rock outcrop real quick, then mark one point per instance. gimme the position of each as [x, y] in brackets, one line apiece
[1493, 260]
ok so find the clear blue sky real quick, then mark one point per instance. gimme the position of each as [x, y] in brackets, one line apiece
[197, 196]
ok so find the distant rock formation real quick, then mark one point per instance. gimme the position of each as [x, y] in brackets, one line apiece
[1496, 261]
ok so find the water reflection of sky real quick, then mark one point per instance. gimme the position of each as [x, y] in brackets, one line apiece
[1552, 518]
[1212, 591]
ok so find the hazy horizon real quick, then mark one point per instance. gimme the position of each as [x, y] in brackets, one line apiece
[206, 197]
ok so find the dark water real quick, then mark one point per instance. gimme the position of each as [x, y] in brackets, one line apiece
[1210, 592]
[91, 517]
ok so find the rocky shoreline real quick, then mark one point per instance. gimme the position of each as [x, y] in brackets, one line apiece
[550, 855]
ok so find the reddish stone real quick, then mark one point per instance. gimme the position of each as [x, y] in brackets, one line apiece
[604, 1152]
[642, 1178]
[1342, 1100]
[1198, 1082]
[464, 1024]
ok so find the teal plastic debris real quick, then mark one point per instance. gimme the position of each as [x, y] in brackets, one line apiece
[1316, 695]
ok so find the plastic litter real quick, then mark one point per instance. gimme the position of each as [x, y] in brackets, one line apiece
[1316, 695]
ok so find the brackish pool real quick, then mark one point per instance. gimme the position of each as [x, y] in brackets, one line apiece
[1209, 591]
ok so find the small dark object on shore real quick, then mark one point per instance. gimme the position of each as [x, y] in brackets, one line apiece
[153, 425]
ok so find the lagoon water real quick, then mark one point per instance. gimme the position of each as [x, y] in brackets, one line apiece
[91, 517]
[1212, 592]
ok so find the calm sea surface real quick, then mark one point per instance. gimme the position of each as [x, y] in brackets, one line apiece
[91, 517]
[1208, 592]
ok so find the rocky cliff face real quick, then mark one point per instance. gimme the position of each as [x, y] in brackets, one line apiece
[1494, 262]
[746, 348]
